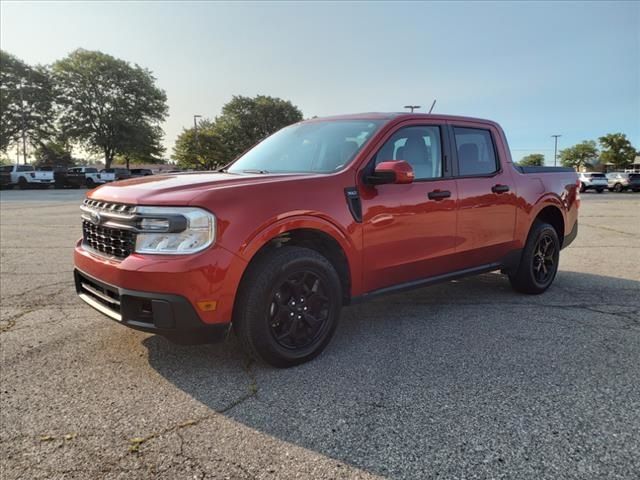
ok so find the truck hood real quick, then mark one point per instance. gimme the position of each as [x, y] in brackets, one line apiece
[179, 188]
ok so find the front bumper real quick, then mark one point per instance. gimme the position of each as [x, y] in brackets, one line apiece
[172, 316]
[206, 282]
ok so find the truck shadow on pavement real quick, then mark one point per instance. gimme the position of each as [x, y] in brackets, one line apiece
[464, 378]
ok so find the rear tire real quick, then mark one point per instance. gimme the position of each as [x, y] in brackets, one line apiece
[288, 306]
[539, 263]
[618, 188]
[600, 190]
[22, 183]
[90, 183]
[583, 188]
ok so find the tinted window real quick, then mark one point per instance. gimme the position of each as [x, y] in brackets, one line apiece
[6, 168]
[419, 146]
[476, 155]
[91, 170]
[24, 168]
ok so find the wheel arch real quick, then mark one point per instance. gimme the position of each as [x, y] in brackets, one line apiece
[552, 214]
[313, 233]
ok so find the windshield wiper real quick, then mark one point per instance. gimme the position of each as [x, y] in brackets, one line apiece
[255, 171]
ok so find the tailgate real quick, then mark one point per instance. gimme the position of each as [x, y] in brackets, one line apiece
[43, 175]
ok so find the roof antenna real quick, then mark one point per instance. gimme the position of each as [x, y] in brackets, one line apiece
[432, 105]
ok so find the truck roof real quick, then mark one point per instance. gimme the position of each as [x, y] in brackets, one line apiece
[401, 116]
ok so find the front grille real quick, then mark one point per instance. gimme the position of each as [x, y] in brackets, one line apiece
[109, 228]
[109, 241]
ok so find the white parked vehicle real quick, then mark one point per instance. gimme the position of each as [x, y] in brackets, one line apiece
[593, 181]
[91, 176]
[106, 176]
[26, 176]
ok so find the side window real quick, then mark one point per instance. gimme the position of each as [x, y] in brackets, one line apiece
[419, 146]
[476, 155]
[6, 168]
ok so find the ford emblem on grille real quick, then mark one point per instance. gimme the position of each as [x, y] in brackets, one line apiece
[95, 218]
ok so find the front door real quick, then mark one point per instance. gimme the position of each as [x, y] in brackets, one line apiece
[409, 230]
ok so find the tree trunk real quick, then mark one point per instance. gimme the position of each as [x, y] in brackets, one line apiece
[108, 157]
[126, 160]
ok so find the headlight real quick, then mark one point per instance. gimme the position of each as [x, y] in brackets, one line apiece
[174, 230]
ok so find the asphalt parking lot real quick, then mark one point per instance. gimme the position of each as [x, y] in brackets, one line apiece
[462, 380]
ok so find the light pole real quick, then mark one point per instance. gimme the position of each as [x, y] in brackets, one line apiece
[412, 107]
[555, 150]
[195, 125]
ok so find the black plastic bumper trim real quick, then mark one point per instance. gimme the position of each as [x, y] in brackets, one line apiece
[168, 315]
[571, 236]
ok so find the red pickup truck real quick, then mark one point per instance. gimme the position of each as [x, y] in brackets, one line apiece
[321, 214]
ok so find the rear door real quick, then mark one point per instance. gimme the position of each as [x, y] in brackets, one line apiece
[487, 196]
[409, 230]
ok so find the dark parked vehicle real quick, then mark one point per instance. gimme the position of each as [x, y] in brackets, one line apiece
[140, 172]
[5, 176]
[119, 173]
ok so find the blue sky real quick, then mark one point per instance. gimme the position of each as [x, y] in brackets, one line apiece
[538, 68]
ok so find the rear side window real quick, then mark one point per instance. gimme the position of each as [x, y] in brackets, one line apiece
[25, 168]
[6, 168]
[420, 146]
[476, 155]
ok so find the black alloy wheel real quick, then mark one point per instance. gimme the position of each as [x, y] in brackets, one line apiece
[539, 262]
[299, 310]
[288, 306]
[544, 259]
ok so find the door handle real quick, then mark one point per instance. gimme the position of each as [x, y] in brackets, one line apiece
[439, 194]
[500, 188]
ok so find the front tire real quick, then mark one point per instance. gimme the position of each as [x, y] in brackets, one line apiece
[90, 183]
[288, 306]
[600, 190]
[539, 263]
[22, 183]
[583, 188]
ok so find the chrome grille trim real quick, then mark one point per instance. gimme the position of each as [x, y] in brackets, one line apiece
[108, 229]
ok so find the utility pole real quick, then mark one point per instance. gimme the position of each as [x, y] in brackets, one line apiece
[195, 125]
[24, 126]
[555, 150]
[412, 107]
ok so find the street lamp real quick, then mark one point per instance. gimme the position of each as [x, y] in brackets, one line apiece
[555, 150]
[412, 107]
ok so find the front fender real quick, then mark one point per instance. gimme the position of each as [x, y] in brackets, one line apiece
[267, 233]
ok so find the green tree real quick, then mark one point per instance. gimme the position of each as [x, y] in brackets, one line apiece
[246, 121]
[103, 99]
[580, 155]
[54, 153]
[617, 149]
[202, 148]
[532, 160]
[142, 144]
[26, 104]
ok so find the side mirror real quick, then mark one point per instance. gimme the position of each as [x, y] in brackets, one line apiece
[392, 171]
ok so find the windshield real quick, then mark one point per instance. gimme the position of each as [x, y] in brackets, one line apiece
[318, 147]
